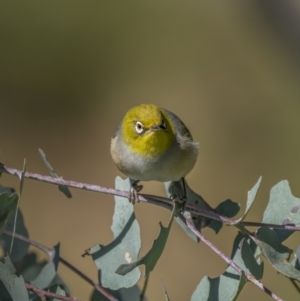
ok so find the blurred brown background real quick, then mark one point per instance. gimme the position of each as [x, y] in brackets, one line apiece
[69, 70]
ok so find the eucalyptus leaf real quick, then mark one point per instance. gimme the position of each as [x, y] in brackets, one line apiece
[33, 269]
[8, 204]
[296, 260]
[250, 199]
[56, 289]
[64, 189]
[276, 253]
[228, 286]
[125, 246]
[122, 294]
[14, 285]
[57, 280]
[151, 258]
[282, 209]
[176, 189]
[20, 247]
[227, 208]
[48, 272]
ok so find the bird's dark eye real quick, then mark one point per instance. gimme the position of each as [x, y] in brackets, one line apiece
[139, 127]
[163, 125]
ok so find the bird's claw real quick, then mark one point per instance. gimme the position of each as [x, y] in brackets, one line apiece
[134, 192]
[181, 201]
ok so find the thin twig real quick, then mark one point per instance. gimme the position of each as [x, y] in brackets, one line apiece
[266, 225]
[45, 249]
[229, 261]
[152, 199]
[19, 199]
[97, 286]
[293, 281]
[43, 294]
[164, 202]
[49, 252]
[142, 295]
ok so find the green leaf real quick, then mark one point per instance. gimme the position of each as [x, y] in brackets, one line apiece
[125, 246]
[8, 203]
[151, 258]
[175, 189]
[56, 289]
[282, 209]
[15, 285]
[122, 294]
[22, 178]
[250, 199]
[276, 253]
[32, 269]
[228, 286]
[48, 272]
[243, 255]
[8, 190]
[230, 209]
[20, 247]
[57, 280]
[227, 208]
[64, 189]
[296, 260]
[248, 262]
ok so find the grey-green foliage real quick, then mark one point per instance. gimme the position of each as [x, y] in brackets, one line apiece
[48, 272]
[174, 189]
[151, 258]
[43, 274]
[8, 204]
[228, 286]
[57, 290]
[230, 209]
[118, 262]
[122, 294]
[20, 247]
[124, 248]
[276, 253]
[227, 208]
[14, 285]
[282, 209]
[250, 199]
[296, 260]
[64, 189]
[40, 275]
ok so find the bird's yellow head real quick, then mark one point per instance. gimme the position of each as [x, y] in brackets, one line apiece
[147, 130]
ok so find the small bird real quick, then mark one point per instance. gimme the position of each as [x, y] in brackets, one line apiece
[153, 144]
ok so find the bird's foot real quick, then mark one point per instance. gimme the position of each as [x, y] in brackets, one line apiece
[134, 192]
[181, 201]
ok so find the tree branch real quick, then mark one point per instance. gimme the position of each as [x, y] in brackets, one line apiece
[152, 199]
[49, 251]
[228, 260]
[43, 294]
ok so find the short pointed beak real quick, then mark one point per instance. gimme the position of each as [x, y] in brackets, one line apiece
[156, 127]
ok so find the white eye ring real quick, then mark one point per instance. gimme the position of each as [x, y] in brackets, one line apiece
[139, 127]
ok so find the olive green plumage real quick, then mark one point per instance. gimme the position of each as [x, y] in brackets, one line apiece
[152, 143]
